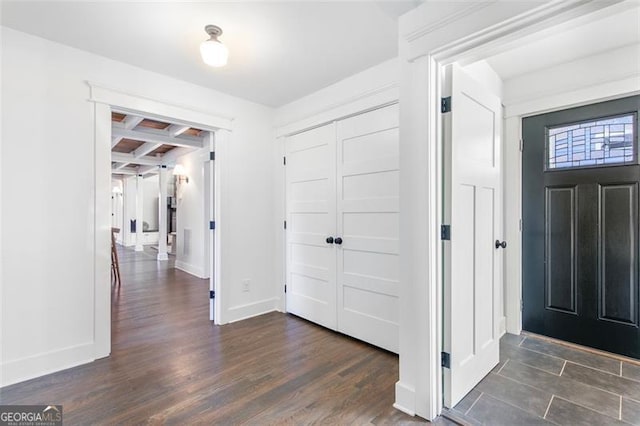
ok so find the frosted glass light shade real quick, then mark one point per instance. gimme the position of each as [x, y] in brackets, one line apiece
[214, 53]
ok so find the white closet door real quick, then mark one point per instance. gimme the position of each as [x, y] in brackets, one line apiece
[367, 210]
[311, 218]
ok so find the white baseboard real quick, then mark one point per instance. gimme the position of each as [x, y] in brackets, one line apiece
[503, 326]
[241, 312]
[19, 370]
[190, 269]
[405, 399]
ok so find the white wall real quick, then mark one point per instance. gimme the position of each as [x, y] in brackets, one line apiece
[117, 208]
[190, 216]
[368, 89]
[150, 202]
[612, 74]
[48, 306]
[129, 207]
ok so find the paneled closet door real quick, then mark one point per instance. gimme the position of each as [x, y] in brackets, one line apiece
[368, 225]
[311, 220]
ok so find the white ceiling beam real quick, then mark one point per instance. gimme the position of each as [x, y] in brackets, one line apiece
[120, 157]
[119, 166]
[127, 171]
[176, 130]
[115, 140]
[131, 121]
[160, 137]
[145, 149]
[145, 170]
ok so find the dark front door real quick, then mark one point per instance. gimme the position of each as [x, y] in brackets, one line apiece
[580, 225]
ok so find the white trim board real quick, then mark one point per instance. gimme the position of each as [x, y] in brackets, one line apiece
[387, 94]
[130, 103]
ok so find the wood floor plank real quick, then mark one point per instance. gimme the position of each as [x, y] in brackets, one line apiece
[171, 365]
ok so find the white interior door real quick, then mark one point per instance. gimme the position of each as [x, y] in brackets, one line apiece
[367, 212]
[473, 205]
[311, 219]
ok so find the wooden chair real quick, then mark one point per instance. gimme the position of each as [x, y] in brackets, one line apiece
[115, 265]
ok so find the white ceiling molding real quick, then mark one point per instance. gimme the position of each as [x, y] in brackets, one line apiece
[158, 110]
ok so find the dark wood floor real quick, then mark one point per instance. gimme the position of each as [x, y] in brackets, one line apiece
[169, 364]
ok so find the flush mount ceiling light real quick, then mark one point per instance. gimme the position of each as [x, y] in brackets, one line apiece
[213, 52]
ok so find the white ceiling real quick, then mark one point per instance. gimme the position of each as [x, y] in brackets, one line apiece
[569, 42]
[279, 51]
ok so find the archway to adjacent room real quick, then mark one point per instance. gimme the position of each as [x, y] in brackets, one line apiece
[209, 133]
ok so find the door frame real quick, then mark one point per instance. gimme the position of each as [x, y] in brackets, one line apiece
[104, 100]
[470, 34]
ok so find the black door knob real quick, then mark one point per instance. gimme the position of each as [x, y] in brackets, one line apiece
[501, 244]
[338, 240]
[329, 240]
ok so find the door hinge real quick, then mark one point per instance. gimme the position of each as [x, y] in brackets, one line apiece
[445, 360]
[212, 294]
[445, 232]
[212, 224]
[520, 225]
[445, 104]
[212, 155]
[522, 305]
[521, 145]
[285, 224]
[284, 161]
[285, 288]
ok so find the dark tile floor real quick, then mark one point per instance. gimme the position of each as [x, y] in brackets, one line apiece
[541, 382]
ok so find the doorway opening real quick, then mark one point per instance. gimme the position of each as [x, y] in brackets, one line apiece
[530, 80]
[213, 132]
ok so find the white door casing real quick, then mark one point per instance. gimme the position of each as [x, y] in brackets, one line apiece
[367, 221]
[473, 207]
[311, 204]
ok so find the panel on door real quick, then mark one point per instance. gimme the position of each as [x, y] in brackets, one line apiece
[472, 206]
[580, 225]
[310, 188]
[367, 211]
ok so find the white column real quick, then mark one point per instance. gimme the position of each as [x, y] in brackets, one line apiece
[162, 214]
[139, 211]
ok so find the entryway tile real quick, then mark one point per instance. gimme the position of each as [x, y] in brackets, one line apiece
[534, 359]
[564, 412]
[630, 411]
[525, 397]
[492, 411]
[631, 371]
[612, 383]
[579, 357]
[572, 390]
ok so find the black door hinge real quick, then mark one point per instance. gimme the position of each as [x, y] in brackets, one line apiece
[285, 224]
[445, 360]
[285, 288]
[212, 224]
[212, 155]
[445, 104]
[445, 232]
[212, 294]
[284, 161]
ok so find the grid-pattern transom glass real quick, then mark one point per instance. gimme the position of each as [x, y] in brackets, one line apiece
[601, 142]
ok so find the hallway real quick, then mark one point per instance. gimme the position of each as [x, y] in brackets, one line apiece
[169, 364]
